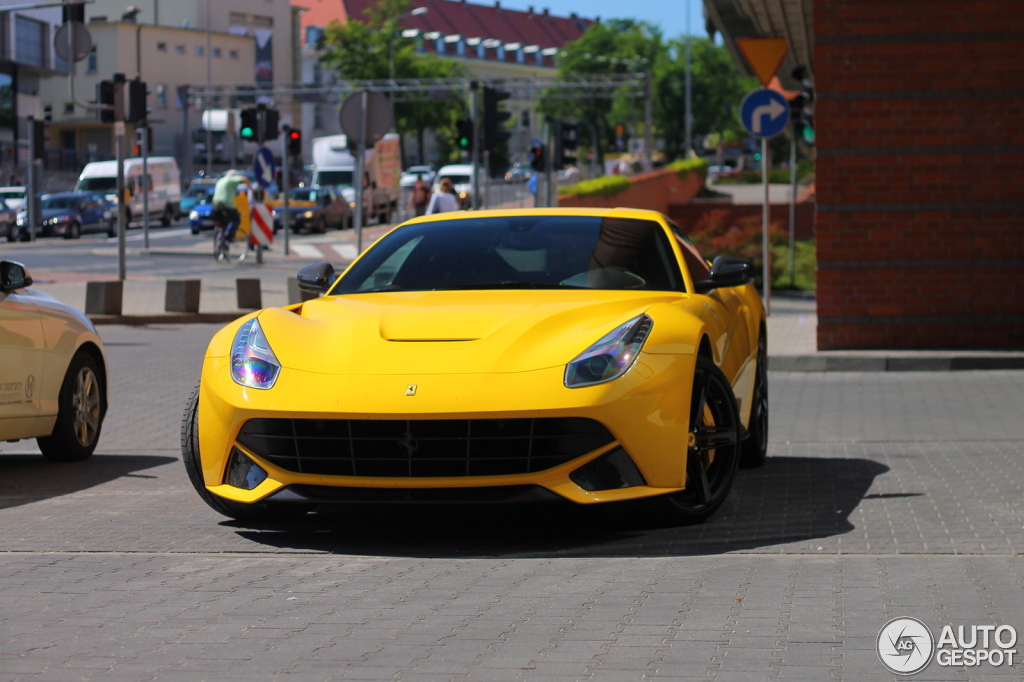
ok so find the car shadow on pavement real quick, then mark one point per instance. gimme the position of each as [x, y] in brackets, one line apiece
[789, 499]
[31, 478]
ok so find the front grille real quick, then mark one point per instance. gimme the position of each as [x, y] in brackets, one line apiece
[421, 448]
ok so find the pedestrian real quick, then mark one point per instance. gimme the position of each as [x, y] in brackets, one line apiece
[443, 201]
[420, 197]
[224, 199]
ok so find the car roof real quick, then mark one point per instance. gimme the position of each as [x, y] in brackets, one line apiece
[637, 213]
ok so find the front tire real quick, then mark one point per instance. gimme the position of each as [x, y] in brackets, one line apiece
[73, 230]
[755, 447]
[167, 216]
[256, 512]
[80, 411]
[713, 448]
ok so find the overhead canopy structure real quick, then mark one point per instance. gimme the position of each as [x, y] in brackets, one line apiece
[789, 19]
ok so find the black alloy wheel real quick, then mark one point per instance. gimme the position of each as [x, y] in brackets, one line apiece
[73, 230]
[712, 449]
[80, 411]
[255, 512]
[755, 447]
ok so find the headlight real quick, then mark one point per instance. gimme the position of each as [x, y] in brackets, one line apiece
[253, 363]
[612, 355]
[462, 195]
[351, 204]
[307, 214]
[194, 215]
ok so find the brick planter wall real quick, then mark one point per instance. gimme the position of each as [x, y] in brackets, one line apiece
[920, 173]
[655, 191]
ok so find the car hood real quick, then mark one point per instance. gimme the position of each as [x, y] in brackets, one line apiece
[449, 332]
[57, 212]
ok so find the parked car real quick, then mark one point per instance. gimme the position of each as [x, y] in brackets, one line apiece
[54, 371]
[199, 192]
[314, 209]
[14, 197]
[411, 173]
[8, 221]
[459, 174]
[518, 173]
[70, 215]
[201, 217]
[589, 355]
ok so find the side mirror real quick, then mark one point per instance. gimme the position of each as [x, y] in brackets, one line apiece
[316, 278]
[726, 271]
[13, 276]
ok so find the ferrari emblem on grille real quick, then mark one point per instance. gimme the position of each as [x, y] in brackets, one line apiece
[410, 389]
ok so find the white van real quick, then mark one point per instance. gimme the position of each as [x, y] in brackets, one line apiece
[164, 185]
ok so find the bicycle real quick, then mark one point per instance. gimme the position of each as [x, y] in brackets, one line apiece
[224, 249]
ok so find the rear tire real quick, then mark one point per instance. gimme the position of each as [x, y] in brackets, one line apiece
[255, 512]
[112, 229]
[713, 450]
[755, 447]
[80, 412]
[12, 232]
[167, 216]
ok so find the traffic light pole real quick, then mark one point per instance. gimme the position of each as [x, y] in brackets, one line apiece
[30, 182]
[144, 143]
[766, 165]
[474, 181]
[357, 181]
[122, 223]
[285, 172]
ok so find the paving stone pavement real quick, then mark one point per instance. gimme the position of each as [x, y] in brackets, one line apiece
[885, 495]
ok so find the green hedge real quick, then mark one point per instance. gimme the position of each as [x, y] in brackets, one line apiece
[606, 186]
[683, 167]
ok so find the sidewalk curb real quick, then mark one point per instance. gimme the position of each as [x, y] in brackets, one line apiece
[168, 318]
[871, 363]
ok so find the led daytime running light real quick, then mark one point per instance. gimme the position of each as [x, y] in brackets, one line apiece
[612, 355]
[253, 363]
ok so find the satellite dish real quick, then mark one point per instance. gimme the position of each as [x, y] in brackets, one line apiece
[72, 42]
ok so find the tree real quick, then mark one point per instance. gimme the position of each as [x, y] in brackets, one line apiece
[607, 47]
[716, 91]
[362, 50]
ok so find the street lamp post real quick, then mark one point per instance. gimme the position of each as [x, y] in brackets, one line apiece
[391, 39]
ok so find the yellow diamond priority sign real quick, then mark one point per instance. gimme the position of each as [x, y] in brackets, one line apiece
[764, 55]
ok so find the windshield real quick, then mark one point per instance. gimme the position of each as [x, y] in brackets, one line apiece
[199, 192]
[60, 202]
[520, 252]
[335, 177]
[12, 194]
[97, 185]
[303, 194]
[456, 179]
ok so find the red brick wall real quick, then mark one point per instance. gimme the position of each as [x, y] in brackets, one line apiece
[920, 173]
[688, 215]
[654, 191]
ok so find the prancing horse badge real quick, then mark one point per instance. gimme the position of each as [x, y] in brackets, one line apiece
[410, 389]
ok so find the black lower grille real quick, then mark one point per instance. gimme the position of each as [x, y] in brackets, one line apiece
[421, 447]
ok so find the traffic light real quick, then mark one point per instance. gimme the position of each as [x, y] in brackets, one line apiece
[566, 137]
[295, 142]
[801, 107]
[138, 108]
[38, 139]
[249, 125]
[271, 124]
[495, 134]
[105, 95]
[464, 126]
[537, 157]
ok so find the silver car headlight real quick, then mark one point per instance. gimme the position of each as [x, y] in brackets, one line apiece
[253, 363]
[612, 355]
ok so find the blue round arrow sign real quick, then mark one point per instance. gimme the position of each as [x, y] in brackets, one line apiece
[263, 167]
[764, 113]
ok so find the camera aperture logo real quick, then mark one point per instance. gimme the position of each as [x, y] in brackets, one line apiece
[906, 646]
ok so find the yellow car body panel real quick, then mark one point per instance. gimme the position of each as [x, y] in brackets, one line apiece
[484, 354]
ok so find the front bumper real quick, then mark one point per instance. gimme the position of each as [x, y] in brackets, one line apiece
[645, 412]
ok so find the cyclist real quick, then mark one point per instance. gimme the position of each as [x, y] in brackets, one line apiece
[224, 200]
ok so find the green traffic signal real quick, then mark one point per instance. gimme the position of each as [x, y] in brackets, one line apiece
[248, 133]
[757, 156]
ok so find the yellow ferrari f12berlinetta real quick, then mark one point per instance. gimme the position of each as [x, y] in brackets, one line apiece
[496, 356]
